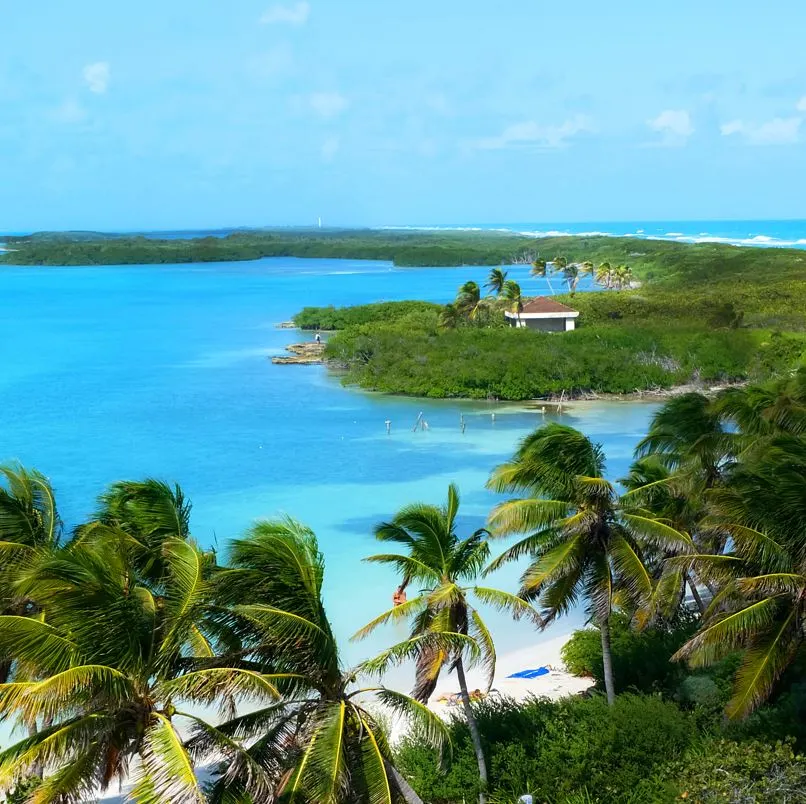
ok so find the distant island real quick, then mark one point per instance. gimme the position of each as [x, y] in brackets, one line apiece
[703, 315]
[688, 313]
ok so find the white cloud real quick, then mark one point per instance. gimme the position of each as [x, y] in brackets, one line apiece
[778, 131]
[328, 104]
[97, 76]
[801, 104]
[296, 14]
[70, 111]
[674, 125]
[330, 147]
[530, 134]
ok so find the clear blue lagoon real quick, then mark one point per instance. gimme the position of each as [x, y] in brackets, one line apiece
[126, 372]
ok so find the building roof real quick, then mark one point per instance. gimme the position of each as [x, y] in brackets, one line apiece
[541, 306]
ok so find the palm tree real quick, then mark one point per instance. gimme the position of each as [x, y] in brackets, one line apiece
[316, 742]
[496, 280]
[450, 316]
[144, 514]
[446, 569]
[623, 276]
[583, 542]
[105, 667]
[761, 604]
[29, 524]
[468, 300]
[604, 275]
[540, 269]
[514, 300]
[587, 268]
[653, 487]
[571, 276]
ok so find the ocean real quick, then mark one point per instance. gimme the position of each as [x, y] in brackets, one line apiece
[130, 372]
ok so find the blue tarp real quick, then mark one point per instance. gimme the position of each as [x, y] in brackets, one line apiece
[540, 671]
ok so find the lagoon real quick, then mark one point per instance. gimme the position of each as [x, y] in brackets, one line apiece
[127, 372]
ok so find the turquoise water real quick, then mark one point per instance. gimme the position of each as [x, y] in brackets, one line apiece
[111, 373]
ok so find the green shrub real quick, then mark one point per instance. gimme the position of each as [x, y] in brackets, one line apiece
[554, 749]
[334, 318]
[733, 773]
[641, 659]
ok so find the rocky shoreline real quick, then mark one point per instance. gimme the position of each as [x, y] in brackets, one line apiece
[302, 354]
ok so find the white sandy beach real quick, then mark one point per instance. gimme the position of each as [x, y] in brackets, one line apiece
[558, 683]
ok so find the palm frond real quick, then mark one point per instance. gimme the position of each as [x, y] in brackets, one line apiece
[167, 772]
[522, 516]
[762, 665]
[373, 765]
[728, 632]
[450, 642]
[399, 612]
[36, 643]
[429, 725]
[506, 602]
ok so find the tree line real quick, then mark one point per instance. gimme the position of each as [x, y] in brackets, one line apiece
[114, 638]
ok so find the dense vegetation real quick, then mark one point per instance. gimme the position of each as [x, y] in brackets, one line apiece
[402, 248]
[334, 318]
[693, 579]
[706, 314]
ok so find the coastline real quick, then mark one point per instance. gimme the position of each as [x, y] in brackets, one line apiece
[556, 684]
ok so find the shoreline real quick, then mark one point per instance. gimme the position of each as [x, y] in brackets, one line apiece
[556, 684]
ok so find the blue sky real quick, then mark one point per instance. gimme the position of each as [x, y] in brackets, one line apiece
[198, 113]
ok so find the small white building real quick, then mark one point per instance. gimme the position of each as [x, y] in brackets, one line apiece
[544, 314]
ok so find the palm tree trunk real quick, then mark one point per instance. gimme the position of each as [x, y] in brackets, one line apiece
[692, 584]
[607, 661]
[405, 789]
[473, 726]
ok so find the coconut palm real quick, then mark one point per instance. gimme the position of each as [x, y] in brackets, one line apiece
[450, 316]
[29, 524]
[144, 514]
[623, 276]
[571, 276]
[317, 743]
[760, 411]
[582, 542]
[604, 275]
[468, 300]
[653, 487]
[104, 669]
[540, 269]
[761, 604]
[496, 280]
[445, 568]
[514, 299]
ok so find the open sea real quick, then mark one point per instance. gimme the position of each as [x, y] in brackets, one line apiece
[128, 372]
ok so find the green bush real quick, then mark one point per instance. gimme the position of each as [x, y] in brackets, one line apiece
[554, 749]
[641, 659]
[731, 772]
[334, 318]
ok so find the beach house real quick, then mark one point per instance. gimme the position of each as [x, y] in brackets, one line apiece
[545, 315]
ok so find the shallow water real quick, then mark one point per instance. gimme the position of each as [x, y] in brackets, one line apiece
[126, 372]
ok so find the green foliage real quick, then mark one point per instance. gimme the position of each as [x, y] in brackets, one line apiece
[333, 318]
[521, 364]
[554, 749]
[737, 773]
[640, 658]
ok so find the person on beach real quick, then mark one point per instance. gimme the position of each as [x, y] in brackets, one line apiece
[318, 338]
